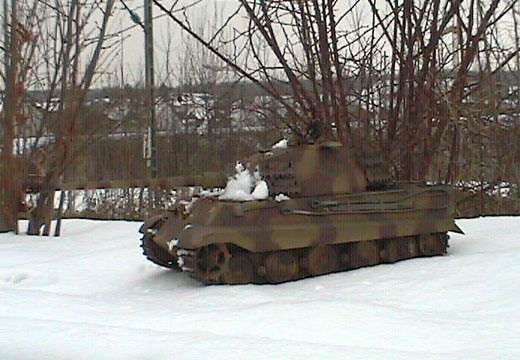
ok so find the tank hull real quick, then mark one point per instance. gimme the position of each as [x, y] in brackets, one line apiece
[271, 242]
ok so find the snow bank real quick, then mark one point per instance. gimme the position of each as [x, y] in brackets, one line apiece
[92, 295]
[245, 186]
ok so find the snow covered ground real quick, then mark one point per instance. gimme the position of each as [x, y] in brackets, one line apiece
[91, 295]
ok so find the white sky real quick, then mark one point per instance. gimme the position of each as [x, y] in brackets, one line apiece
[203, 14]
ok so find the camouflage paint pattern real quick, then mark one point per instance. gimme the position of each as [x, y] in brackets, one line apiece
[331, 203]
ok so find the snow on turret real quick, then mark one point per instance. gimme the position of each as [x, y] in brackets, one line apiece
[282, 144]
[281, 197]
[245, 186]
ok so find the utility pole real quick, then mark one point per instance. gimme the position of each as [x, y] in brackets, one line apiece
[3, 172]
[149, 78]
[6, 38]
[151, 150]
[10, 192]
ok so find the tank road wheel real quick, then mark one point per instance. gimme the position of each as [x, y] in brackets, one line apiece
[389, 251]
[241, 270]
[322, 259]
[212, 261]
[433, 244]
[281, 266]
[408, 247]
[362, 253]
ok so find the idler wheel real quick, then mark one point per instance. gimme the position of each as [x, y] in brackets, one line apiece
[240, 270]
[389, 251]
[408, 247]
[212, 261]
[156, 254]
[280, 267]
[322, 259]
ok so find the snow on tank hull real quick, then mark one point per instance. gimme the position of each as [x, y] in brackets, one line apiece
[223, 242]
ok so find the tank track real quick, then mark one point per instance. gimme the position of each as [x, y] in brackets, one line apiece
[229, 264]
[157, 254]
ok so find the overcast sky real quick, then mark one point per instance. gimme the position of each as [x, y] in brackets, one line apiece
[202, 13]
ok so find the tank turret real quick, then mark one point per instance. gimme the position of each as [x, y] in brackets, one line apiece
[321, 169]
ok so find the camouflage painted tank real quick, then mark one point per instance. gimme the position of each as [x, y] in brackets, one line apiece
[341, 212]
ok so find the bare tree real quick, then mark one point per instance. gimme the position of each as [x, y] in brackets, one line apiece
[61, 36]
[18, 45]
[332, 58]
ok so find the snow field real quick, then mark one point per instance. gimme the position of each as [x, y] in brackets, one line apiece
[91, 295]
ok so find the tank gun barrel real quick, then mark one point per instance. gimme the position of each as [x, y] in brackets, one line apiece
[206, 179]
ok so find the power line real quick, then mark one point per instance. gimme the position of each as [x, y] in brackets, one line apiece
[133, 15]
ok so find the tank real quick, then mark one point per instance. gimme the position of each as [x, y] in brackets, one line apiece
[339, 210]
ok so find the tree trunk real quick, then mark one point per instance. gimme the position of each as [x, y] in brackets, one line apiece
[42, 214]
[9, 182]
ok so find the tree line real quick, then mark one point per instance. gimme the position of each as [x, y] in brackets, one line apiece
[433, 85]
